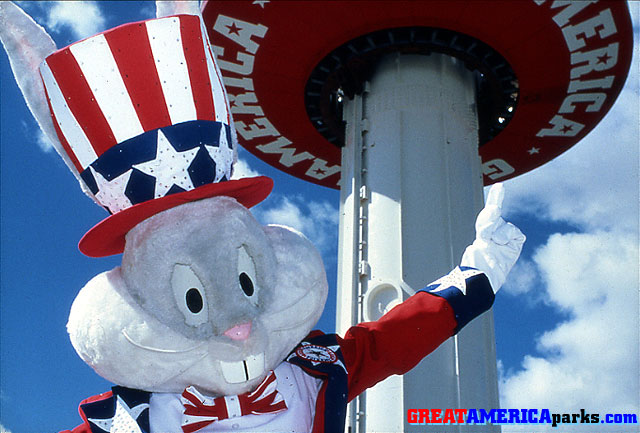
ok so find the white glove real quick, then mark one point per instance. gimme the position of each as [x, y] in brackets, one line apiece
[498, 243]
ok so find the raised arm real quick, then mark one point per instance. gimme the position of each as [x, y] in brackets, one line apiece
[401, 338]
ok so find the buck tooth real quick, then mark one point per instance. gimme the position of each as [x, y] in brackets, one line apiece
[255, 365]
[233, 372]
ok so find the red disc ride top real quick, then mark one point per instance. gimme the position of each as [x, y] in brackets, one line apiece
[547, 71]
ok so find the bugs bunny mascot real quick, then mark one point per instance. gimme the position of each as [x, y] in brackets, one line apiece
[206, 325]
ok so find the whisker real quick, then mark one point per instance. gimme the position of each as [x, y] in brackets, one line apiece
[155, 349]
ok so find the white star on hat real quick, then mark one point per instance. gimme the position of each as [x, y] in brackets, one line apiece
[111, 193]
[124, 420]
[169, 167]
[456, 278]
[222, 155]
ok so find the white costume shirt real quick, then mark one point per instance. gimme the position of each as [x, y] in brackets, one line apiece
[298, 389]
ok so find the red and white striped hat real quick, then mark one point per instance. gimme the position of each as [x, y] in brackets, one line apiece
[142, 113]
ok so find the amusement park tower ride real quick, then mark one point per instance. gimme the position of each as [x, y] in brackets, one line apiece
[409, 108]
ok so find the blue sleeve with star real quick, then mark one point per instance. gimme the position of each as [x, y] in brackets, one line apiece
[467, 290]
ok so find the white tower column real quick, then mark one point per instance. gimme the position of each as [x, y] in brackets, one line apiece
[411, 189]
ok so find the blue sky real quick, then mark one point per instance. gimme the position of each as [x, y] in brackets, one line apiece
[566, 320]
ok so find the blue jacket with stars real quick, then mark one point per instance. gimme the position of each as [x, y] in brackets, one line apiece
[368, 353]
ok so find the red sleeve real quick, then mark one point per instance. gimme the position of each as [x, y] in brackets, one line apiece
[397, 341]
[85, 427]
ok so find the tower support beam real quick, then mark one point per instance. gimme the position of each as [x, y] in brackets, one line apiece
[410, 191]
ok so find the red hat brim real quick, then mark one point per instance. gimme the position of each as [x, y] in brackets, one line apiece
[108, 237]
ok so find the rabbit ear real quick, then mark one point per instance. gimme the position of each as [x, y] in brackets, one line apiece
[177, 7]
[27, 45]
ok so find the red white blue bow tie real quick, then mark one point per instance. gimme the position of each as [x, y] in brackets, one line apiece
[201, 410]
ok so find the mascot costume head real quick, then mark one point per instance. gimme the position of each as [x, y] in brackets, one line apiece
[205, 294]
[208, 303]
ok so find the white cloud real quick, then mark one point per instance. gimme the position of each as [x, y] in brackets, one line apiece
[31, 127]
[592, 360]
[316, 220]
[3, 429]
[522, 278]
[242, 169]
[43, 142]
[324, 213]
[148, 10]
[84, 19]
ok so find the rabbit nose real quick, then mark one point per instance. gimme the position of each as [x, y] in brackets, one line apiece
[239, 332]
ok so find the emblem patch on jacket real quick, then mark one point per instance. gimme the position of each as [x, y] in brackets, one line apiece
[316, 354]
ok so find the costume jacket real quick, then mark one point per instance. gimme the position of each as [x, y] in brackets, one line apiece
[345, 366]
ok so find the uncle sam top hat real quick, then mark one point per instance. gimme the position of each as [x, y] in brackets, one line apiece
[142, 114]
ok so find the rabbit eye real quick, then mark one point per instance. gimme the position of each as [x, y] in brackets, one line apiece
[246, 284]
[189, 295]
[247, 275]
[194, 300]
